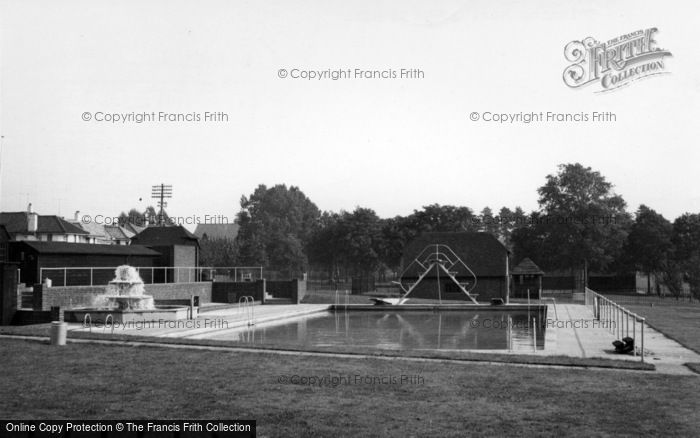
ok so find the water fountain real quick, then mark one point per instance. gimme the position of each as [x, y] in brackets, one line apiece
[125, 292]
[125, 301]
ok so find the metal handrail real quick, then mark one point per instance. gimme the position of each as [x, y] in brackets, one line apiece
[609, 311]
[108, 319]
[248, 307]
[554, 302]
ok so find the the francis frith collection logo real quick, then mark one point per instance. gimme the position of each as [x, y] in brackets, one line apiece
[614, 63]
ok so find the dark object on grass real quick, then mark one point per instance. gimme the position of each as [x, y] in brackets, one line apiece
[497, 301]
[625, 346]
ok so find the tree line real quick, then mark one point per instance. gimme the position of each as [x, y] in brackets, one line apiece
[580, 225]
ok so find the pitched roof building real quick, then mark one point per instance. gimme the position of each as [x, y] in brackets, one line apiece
[103, 234]
[165, 236]
[178, 248]
[4, 241]
[527, 280]
[28, 225]
[527, 267]
[482, 252]
[485, 255]
[35, 256]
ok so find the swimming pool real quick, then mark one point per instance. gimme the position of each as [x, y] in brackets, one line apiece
[399, 330]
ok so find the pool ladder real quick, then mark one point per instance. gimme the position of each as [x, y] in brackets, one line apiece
[87, 321]
[247, 304]
[337, 299]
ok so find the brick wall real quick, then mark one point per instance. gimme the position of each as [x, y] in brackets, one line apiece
[281, 289]
[292, 289]
[231, 292]
[486, 289]
[84, 296]
[27, 317]
[185, 256]
[8, 292]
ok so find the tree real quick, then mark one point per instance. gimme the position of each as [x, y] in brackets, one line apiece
[441, 218]
[353, 243]
[489, 223]
[649, 246]
[360, 241]
[508, 221]
[217, 252]
[324, 246]
[686, 240]
[276, 225]
[142, 218]
[581, 223]
[398, 231]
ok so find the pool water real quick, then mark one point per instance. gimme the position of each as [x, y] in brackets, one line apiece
[400, 330]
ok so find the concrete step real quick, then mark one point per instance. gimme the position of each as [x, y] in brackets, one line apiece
[278, 301]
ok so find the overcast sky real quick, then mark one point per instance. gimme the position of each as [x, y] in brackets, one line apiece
[392, 145]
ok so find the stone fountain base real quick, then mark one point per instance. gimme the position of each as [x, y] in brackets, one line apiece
[122, 316]
[129, 302]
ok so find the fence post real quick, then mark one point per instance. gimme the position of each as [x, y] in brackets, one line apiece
[65, 276]
[619, 317]
[634, 334]
[642, 339]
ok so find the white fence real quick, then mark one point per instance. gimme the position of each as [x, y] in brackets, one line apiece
[91, 276]
[617, 319]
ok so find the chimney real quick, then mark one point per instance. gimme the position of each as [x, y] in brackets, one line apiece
[75, 217]
[32, 220]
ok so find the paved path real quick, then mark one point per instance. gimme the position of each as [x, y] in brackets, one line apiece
[576, 333]
[211, 322]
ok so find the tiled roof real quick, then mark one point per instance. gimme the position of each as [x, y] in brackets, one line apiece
[527, 267]
[165, 236]
[17, 223]
[116, 232]
[94, 229]
[14, 222]
[481, 252]
[87, 248]
[4, 235]
[131, 229]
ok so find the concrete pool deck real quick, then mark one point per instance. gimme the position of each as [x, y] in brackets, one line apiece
[571, 331]
[209, 322]
[576, 333]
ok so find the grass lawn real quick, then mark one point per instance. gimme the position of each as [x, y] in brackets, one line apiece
[679, 321]
[92, 381]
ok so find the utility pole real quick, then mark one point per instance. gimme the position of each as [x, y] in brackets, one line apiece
[161, 192]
